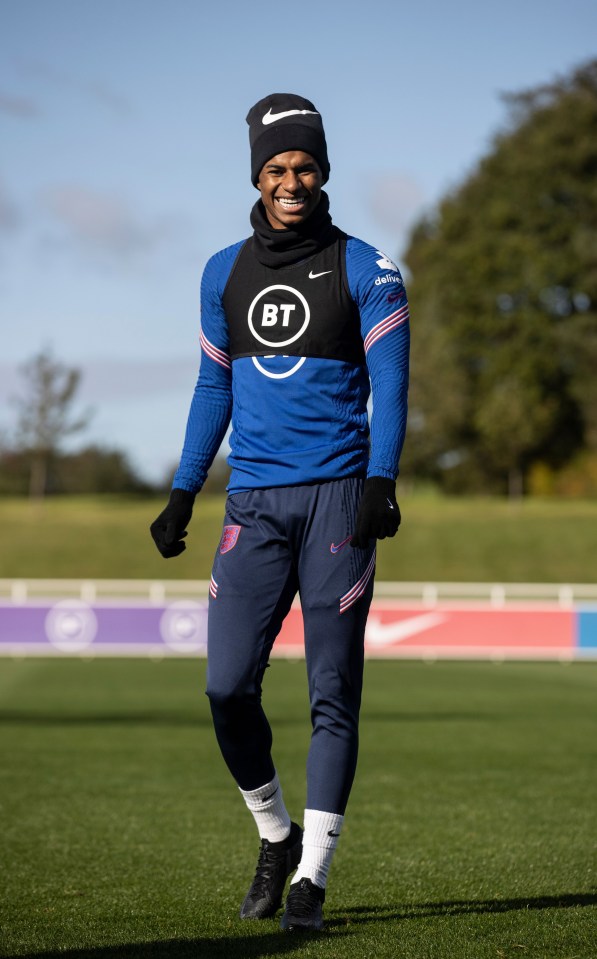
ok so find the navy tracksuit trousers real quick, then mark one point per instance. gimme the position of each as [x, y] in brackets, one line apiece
[275, 543]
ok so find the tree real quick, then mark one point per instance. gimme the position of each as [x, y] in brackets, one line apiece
[504, 295]
[45, 416]
[98, 469]
[93, 469]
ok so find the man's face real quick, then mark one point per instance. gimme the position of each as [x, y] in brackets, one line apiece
[290, 186]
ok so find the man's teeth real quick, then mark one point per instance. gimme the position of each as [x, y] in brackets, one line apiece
[287, 202]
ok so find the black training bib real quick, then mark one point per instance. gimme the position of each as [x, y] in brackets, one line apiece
[304, 309]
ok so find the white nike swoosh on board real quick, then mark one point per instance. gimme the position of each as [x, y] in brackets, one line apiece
[381, 634]
[270, 117]
[313, 276]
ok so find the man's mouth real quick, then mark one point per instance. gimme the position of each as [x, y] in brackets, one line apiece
[291, 203]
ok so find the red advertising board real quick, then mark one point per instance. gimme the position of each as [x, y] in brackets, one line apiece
[453, 630]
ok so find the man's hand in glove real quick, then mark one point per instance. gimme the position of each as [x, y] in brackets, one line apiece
[379, 513]
[169, 529]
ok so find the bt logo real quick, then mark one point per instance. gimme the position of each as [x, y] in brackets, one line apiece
[278, 316]
[270, 313]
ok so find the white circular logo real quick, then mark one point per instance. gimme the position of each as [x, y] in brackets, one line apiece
[288, 370]
[183, 626]
[71, 625]
[280, 312]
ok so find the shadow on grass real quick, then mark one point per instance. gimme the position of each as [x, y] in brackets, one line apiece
[189, 717]
[228, 947]
[278, 942]
[438, 717]
[460, 907]
[92, 719]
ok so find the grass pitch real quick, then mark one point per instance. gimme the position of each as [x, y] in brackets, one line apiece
[470, 832]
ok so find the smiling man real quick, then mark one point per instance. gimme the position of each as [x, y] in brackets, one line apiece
[290, 187]
[299, 324]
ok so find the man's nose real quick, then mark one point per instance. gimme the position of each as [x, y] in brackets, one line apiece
[291, 181]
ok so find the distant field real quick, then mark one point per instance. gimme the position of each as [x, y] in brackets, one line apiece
[470, 832]
[460, 539]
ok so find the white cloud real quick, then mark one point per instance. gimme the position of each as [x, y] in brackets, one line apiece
[104, 224]
[114, 381]
[396, 200]
[17, 106]
[9, 216]
[119, 380]
[91, 89]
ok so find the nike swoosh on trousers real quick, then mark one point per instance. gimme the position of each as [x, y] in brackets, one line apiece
[336, 548]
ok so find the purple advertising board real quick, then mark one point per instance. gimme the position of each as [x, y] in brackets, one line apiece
[73, 627]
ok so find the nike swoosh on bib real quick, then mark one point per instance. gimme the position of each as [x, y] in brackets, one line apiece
[313, 276]
[270, 117]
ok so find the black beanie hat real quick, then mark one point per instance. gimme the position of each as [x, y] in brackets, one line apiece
[281, 122]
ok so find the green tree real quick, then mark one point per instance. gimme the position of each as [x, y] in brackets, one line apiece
[98, 469]
[504, 296]
[93, 469]
[45, 417]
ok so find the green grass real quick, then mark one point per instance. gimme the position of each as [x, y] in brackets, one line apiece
[459, 539]
[470, 832]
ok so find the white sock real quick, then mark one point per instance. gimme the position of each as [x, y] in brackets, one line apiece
[319, 844]
[269, 811]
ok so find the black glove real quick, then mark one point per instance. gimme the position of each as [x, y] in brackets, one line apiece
[379, 514]
[169, 529]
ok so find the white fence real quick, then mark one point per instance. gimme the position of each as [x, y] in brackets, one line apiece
[160, 591]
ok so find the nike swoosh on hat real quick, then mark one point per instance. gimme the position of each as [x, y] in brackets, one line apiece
[270, 117]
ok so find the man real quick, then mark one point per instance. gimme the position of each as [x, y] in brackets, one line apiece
[298, 324]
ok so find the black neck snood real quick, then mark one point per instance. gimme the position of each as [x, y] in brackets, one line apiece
[276, 248]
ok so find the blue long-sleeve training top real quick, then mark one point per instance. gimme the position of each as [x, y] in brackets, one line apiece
[291, 356]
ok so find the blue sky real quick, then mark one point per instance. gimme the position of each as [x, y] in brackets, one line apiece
[124, 161]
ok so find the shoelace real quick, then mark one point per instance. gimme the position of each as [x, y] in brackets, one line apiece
[301, 901]
[266, 862]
